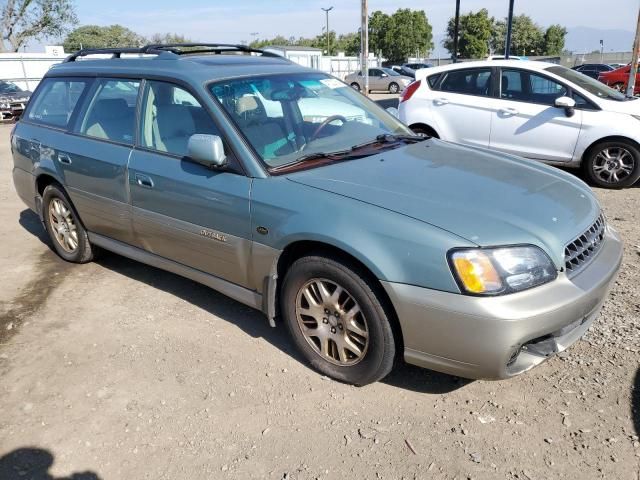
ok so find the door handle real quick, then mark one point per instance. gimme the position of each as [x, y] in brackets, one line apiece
[144, 181]
[64, 158]
[508, 112]
[441, 101]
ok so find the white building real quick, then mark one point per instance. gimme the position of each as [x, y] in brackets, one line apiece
[305, 56]
[26, 69]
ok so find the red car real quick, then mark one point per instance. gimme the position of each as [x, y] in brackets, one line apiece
[618, 79]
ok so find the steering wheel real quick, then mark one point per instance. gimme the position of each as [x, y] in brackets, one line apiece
[326, 122]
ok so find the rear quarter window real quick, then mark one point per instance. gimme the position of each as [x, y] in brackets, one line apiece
[432, 80]
[55, 101]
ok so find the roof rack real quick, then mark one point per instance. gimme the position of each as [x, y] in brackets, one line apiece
[172, 48]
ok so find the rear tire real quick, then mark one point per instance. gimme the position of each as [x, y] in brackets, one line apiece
[394, 87]
[67, 234]
[619, 86]
[355, 86]
[613, 164]
[336, 319]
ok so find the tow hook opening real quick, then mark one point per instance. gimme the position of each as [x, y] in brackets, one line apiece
[545, 346]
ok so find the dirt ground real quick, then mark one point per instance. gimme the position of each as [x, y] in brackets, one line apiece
[116, 370]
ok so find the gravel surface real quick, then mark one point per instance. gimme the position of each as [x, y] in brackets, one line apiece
[116, 370]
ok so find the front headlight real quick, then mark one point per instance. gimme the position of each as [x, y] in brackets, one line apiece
[502, 270]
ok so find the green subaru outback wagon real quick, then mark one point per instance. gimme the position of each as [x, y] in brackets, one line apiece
[290, 192]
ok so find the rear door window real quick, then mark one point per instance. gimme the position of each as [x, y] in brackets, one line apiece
[475, 81]
[112, 112]
[56, 100]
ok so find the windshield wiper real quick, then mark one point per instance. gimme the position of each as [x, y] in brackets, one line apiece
[313, 156]
[390, 138]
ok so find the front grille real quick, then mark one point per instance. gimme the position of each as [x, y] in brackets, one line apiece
[582, 250]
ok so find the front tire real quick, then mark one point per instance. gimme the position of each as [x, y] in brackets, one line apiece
[337, 321]
[355, 86]
[67, 234]
[619, 86]
[394, 87]
[614, 164]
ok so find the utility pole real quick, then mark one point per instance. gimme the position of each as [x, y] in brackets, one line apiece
[326, 11]
[631, 84]
[601, 51]
[364, 46]
[455, 32]
[507, 44]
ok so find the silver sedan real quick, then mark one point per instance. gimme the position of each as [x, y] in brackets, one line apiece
[380, 79]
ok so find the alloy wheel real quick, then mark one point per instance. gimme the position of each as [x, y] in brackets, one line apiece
[332, 322]
[64, 228]
[613, 164]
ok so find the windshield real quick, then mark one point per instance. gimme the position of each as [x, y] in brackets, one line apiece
[8, 87]
[288, 117]
[591, 85]
[391, 73]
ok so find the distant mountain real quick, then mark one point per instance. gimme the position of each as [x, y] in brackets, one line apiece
[586, 39]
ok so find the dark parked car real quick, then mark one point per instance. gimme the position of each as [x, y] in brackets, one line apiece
[593, 70]
[12, 100]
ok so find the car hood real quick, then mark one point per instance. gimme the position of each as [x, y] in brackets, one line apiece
[631, 107]
[485, 197]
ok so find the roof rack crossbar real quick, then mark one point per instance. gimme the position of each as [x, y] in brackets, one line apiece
[209, 47]
[174, 48]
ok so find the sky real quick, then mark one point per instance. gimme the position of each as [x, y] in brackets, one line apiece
[233, 21]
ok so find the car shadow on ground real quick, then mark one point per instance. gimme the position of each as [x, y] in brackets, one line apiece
[34, 464]
[388, 102]
[635, 402]
[251, 321]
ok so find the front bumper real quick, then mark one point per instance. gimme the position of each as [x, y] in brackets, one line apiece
[499, 337]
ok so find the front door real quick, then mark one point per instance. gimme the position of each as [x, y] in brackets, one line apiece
[184, 211]
[526, 121]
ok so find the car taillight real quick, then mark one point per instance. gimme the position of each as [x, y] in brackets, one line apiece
[408, 92]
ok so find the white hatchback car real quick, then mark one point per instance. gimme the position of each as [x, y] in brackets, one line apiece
[537, 110]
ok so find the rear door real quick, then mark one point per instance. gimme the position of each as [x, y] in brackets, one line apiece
[184, 211]
[462, 105]
[527, 123]
[96, 155]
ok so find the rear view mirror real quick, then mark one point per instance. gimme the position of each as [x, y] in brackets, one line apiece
[206, 150]
[569, 105]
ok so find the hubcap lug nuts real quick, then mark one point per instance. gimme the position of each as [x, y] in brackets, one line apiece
[325, 320]
[333, 330]
[340, 327]
[326, 310]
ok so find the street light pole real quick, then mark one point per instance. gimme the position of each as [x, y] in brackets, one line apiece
[631, 84]
[364, 45]
[455, 32]
[326, 11]
[507, 45]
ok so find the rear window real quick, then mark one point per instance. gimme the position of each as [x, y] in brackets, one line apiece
[55, 101]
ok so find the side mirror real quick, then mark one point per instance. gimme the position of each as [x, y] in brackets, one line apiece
[206, 150]
[569, 105]
[384, 75]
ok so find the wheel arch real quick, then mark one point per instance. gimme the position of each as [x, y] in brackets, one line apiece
[301, 248]
[425, 127]
[610, 138]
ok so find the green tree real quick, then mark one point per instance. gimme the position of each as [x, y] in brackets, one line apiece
[527, 38]
[278, 40]
[169, 38]
[94, 36]
[378, 27]
[554, 40]
[24, 20]
[474, 34]
[349, 43]
[409, 33]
